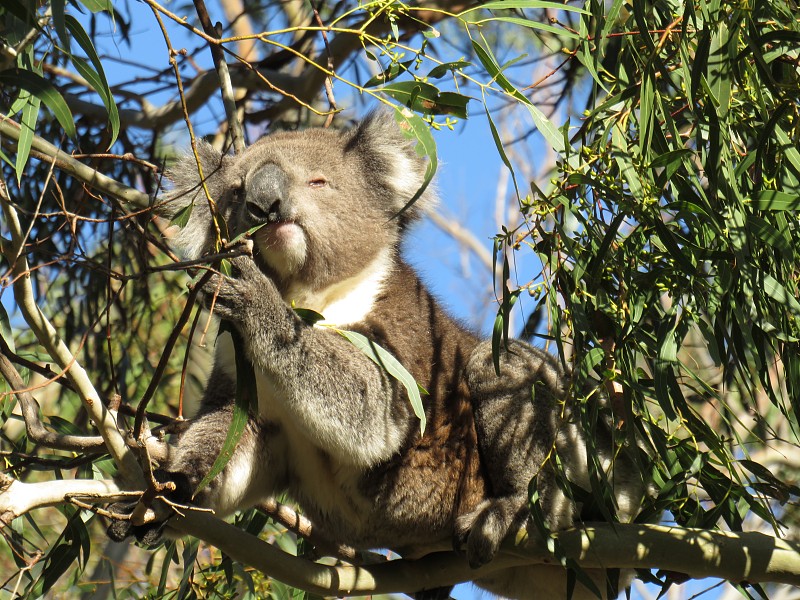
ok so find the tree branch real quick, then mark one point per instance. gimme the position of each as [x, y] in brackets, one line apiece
[18, 498]
[46, 151]
[751, 557]
[224, 78]
[748, 556]
[37, 432]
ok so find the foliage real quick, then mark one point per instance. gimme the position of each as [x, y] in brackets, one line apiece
[664, 241]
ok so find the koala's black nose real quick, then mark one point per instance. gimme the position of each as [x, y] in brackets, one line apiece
[267, 188]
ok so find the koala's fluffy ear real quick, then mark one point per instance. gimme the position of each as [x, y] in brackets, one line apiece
[391, 158]
[196, 236]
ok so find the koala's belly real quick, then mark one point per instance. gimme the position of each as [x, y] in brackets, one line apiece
[321, 485]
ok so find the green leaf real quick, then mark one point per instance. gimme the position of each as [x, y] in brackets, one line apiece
[42, 89]
[719, 70]
[62, 554]
[445, 68]
[549, 131]
[509, 4]
[772, 200]
[426, 98]
[500, 149]
[771, 235]
[775, 290]
[30, 114]
[189, 557]
[181, 218]
[246, 397]
[560, 31]
[96, 77]
[59, 23]
[590, 360]
[384, 359]
[391, 72]
[307, 315]
[24, 11]
[413, 126]
[97, 6]
[500, 329]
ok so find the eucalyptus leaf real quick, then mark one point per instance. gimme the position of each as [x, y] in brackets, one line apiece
[384, 359]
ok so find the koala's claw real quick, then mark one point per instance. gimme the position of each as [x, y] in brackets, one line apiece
[230, 294]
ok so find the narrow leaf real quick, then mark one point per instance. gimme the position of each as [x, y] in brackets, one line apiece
[384, 359]
[30, 114]
[45, 91]
[100, 84]
[772, 200]
[509, 4]
[560, 31]
[414, 127]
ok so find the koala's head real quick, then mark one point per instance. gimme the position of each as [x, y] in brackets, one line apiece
[328, 199]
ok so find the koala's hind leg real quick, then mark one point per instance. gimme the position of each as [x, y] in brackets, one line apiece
[516, 416]
[248, 476]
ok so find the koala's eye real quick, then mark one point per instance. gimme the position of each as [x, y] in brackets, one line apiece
[317, 182]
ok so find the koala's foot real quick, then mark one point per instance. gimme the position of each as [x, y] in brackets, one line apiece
[484, 529]
[149, 534]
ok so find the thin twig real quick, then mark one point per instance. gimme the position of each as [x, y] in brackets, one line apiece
[193, 139]
[48, 337]
[226, 88]
[37, 432]
[329, 78]
[165, 355]
[44, 150]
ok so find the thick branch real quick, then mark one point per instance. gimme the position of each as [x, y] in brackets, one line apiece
[44, 150]
[17, 498]
[749, 556]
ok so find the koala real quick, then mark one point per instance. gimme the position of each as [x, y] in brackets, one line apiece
[332, 428]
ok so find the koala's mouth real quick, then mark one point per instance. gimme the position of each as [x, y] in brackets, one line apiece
[281, 244]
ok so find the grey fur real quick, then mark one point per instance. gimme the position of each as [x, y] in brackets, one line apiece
[332, 428]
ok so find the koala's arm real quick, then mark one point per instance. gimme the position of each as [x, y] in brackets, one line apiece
[337, 396]
[249, 474]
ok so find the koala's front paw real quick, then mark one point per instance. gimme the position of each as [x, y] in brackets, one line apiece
[230, 297]
[483, 530]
